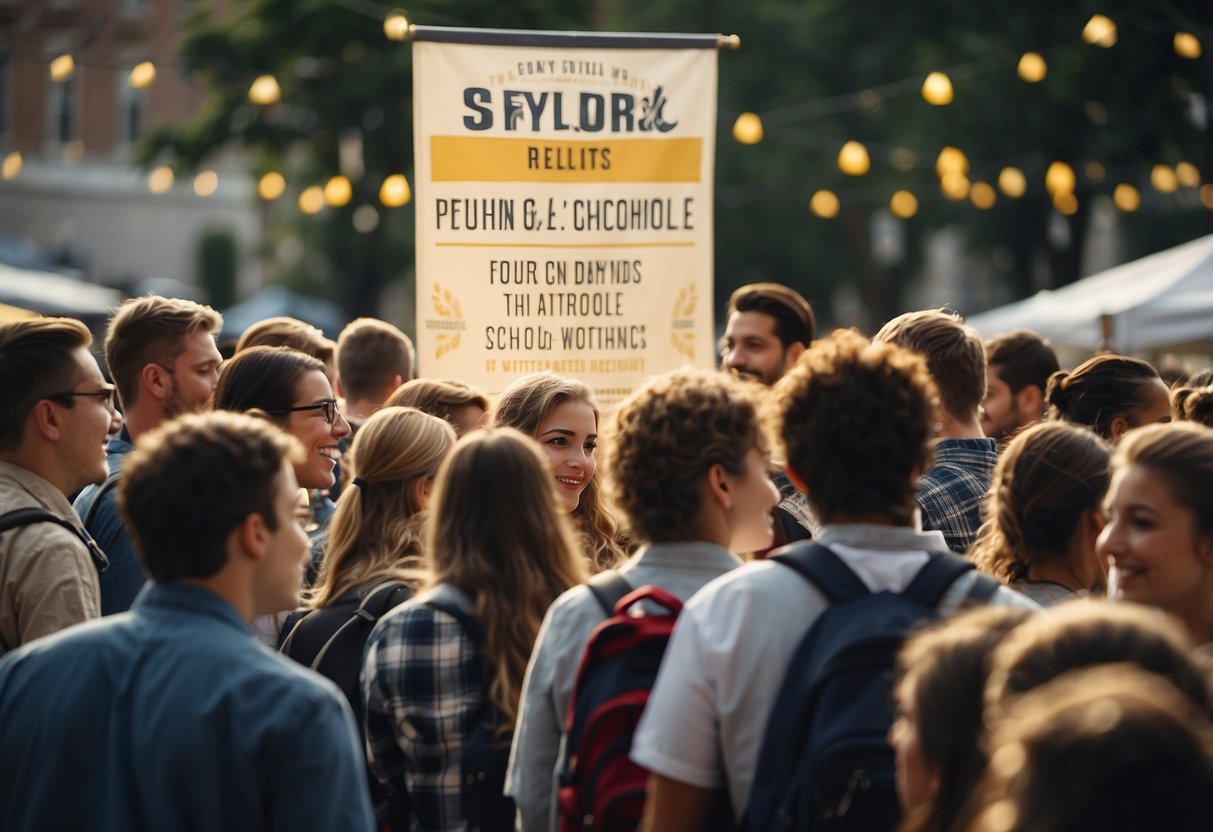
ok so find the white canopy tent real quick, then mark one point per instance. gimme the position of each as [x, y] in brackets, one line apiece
[1163, 302]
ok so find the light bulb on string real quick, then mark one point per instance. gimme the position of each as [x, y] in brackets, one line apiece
[1060, 178]
[904, 204]
[1012, 182]
[1187, 174]
[1206, 197]
[160, 180]
[265, 90]
[311, 200]
[13, 163]
[937, 89]
[951, 160]
[983, 195]
[338, 192]
[1065, 203]
[1126, 197]
[395, 191]
[1164, 180]
[954, 186]
[1187, 45]
[853, 159]
[1032, 67]
[825, 204]
[206, 183]
[747, 129]
[62, 67]
[143, 75]
[271, 186]
[1100, 31]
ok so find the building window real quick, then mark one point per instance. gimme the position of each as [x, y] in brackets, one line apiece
[132, 108]
[63, 111]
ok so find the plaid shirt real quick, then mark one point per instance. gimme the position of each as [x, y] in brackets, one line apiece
[952, 492]
[422, 684]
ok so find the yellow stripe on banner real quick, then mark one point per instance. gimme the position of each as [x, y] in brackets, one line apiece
[491, 159]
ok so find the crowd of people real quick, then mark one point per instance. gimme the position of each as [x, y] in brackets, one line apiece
[916, 581]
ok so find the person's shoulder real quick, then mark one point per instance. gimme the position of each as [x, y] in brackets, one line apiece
[748, 585]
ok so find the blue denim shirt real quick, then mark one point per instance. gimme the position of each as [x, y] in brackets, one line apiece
[124, 577]
[171, 716]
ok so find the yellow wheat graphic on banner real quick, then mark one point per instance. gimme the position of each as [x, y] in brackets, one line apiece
[683, 336]
[446, 306]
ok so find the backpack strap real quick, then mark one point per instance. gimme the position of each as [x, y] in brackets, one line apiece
[608, 588]
[934, 579]
[377, 601]
[103, 489]
[30, 515]
[824, 569]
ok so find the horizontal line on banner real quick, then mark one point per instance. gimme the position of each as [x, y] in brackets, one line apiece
[566, 245]
[568, 40]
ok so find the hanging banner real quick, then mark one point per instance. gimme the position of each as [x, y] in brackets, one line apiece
[564, 205]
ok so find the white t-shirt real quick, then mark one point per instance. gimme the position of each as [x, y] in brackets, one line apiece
[707, 716]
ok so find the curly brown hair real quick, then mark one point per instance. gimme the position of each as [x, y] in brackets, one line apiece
[666, 436]
[1193, 404]
[856, 419]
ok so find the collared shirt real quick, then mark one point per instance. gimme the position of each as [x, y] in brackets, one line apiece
[707, 716]
[171, 716]
[952, 492]
[48, 580]
[121, 582]
[421, 678]
[535, 760]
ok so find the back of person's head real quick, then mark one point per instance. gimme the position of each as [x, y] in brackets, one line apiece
[37, 360]
[290, 332]
[1204, 378]
[497, 531]
[263, 378]
[1080, 634]
[1022, 358]
[192, 481]
[666, 436]
[151, 330]
[370, 354]
[941, 679]
[795, 322]
[375, 532]
[954, 352]
[525, 405]
[1193, 404]
[1048, 475]
[1101, 390]
[1106, 749]
[1181, 454]
[445, 398]
[856, 420]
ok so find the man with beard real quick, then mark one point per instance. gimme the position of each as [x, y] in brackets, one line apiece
[1020, 364]
[162, 356]
[768, 326]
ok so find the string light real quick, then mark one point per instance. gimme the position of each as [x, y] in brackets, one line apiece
[1032, 67]
[853, 159]
[338, 192]
[747, 129]
[1187, 174]
[265, 90]
[983, 195]
[1060, 179]
[937, 89]
[1187, 45]
[62, 68]
[13, 163]
[904, 204]
[825, 204]
[951, 160]
[1066, 203]
[1099, 31]
[395, 191]
[1012, 182]
[954, 186]
[143, 75]
[1206, 197]
[1126, 197]
[311, 201]
[206, 183]
[271, 186]
[1164, 180]
[160, 180]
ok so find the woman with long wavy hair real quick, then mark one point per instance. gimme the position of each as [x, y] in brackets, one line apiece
[443, 672]
[562, 416]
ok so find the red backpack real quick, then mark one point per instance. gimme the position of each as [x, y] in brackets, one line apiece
[600, 788]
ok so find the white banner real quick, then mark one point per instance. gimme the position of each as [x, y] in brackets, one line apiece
[564, 209]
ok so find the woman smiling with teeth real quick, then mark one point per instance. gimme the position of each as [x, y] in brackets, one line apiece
[1159, 533]
[561, 415]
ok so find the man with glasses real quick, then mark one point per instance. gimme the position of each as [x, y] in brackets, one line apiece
[161, 353]
[54, 417]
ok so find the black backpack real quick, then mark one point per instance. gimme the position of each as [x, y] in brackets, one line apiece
[825, 762]
[484, 760]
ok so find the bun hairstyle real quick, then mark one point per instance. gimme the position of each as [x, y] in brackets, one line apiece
[1099, 391]
[1193, 404]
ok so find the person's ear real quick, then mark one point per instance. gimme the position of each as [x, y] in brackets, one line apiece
[421, 490]
[1118, 428]
[253, 535]
[48, 421]
[157, 381]
[1031, 400]
[1204, 549]
[719, 485]
[793, 353]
